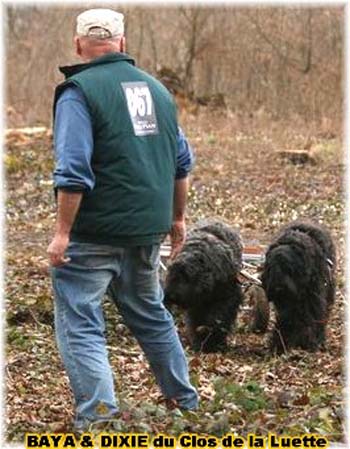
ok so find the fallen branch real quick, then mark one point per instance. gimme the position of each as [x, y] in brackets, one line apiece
[250, 277]
[298, 156]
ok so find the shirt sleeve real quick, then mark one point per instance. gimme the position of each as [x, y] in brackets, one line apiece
[185, 156]
[73, 143]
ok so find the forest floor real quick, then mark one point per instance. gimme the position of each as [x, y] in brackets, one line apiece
[239, 177]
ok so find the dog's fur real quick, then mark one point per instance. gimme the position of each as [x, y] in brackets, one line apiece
[299, 279]
[202, 280]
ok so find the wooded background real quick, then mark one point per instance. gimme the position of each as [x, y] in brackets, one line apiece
[279, 61]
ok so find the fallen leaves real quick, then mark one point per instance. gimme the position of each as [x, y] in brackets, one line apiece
[240, 178]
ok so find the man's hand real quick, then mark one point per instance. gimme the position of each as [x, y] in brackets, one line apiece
[177, 237]
[57, 248]
[67, 207]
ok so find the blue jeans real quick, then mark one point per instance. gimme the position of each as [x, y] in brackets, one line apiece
[131, 277]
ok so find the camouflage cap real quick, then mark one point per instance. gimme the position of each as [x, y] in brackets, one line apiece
[100, 23]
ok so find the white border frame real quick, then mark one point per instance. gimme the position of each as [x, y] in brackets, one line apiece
[346, 146]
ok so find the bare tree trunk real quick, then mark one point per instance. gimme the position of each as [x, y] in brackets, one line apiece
[153, 47]
[308, 61]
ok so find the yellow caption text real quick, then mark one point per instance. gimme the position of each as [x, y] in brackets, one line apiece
[163, 441]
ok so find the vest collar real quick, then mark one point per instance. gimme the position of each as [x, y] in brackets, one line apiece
[71, 70]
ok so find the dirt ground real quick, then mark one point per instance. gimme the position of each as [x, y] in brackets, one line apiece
[239, 177]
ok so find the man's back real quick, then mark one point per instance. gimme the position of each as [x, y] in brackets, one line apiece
[134, 159]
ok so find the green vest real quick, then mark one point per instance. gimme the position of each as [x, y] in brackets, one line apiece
[134, 157]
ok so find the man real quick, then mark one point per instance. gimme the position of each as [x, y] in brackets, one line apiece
[121, 182]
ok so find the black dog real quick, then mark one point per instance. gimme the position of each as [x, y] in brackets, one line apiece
[202, 280]
[299, 278]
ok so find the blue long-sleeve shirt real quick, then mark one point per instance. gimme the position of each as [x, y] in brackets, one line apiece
[73, 144]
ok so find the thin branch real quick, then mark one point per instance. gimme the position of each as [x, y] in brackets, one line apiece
[292, 62]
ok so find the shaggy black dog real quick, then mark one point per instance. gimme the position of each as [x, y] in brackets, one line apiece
[299, 278]
[202, 280]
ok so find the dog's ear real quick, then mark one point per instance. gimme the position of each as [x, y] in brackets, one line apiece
[291, 286]
[183, 273]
